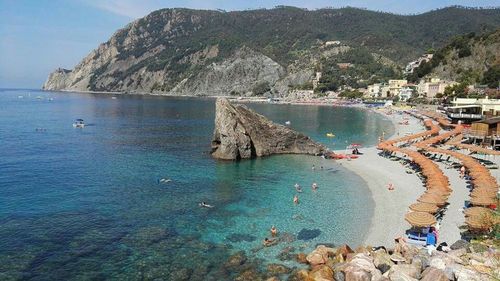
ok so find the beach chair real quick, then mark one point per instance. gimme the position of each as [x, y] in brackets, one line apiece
[416, 238]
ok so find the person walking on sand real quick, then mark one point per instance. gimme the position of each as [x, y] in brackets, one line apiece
[390, 186]
[296, 199]
[274, 231]
[462, 172]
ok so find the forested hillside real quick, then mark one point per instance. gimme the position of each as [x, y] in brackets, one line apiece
[182, 51]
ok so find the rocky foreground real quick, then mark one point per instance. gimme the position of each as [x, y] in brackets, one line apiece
[463, 261]
[241, 133]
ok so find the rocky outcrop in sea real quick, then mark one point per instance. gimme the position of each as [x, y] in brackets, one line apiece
[241, 133]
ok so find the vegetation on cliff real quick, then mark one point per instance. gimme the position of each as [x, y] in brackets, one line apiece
[170, 50]
[467, 59]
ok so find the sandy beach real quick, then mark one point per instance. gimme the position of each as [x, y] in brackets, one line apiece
[391, 206]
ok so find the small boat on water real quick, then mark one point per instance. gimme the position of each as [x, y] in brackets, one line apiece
[78, 123]
[330, 135]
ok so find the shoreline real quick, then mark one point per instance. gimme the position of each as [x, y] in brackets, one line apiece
[389, 206]
[387, 221]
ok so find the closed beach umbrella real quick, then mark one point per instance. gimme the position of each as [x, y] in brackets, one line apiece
[483, 193]
[420, 219]
[442, 193]
[484, 222]
[483, 201]
[477, 211]
[431, 199]
[424, 207]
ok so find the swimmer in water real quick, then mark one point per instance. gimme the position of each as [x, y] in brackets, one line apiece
[274, 231]
[268, 242]
[314, 186]
[298, 188]
[163, 180]
[313, 168]
[296, 199]
[205, 205]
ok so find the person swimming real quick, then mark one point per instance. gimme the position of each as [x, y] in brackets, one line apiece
[268, 242]
[313, 168]
[163, 180]
[298, 188]
[296, 199]
[314, 186]
[274, 231]
[205, 205]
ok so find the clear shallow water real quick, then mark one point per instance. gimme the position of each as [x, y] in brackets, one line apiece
[79, 204]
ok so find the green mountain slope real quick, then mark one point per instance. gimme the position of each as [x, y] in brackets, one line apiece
[182, 51]
[468, 59]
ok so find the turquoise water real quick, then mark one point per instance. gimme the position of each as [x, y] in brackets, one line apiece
[80, 204]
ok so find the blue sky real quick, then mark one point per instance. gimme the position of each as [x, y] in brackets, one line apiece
[37, 36]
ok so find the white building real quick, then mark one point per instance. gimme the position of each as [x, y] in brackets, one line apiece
[332, 43]
[373, 91]
[416, 63]
[405, 93]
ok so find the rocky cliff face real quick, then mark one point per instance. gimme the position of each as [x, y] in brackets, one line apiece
[200, 52]
[241, 133]
[484, 54]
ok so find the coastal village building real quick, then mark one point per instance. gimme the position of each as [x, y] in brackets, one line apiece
[373, 91]
[384, 91]
[430, 87]
[315, 80]
[344, 65]
[406, 92]
[395, 86]
[332, 43]
[469, 110]
[486, 131]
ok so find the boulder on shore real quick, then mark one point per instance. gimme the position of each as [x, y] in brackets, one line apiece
[240, 133]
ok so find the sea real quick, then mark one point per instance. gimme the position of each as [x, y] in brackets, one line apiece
[119, 198]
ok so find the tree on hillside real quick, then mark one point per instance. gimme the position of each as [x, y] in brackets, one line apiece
[492, 77]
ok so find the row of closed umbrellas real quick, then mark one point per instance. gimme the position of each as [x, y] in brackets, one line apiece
[485, 185]
[437, 184]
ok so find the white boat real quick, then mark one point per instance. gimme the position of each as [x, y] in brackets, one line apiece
[78, 123]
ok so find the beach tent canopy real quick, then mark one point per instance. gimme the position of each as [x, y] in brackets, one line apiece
[420, 219]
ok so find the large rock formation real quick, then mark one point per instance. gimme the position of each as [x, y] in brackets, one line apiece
[240, 133]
